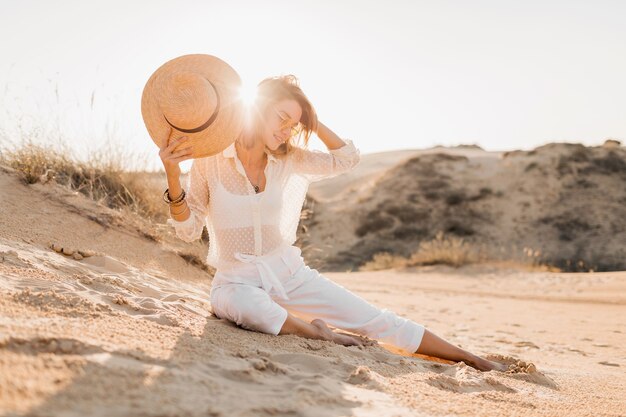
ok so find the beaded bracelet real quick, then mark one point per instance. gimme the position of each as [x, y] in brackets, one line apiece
[168, 200]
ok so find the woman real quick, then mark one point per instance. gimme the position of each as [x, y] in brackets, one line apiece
[249, 197]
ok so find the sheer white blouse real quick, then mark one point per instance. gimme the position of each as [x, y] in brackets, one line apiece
[240, 221]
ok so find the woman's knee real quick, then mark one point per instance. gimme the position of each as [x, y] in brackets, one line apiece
[249, 307]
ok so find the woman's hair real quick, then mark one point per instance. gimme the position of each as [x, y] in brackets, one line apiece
[272, 90]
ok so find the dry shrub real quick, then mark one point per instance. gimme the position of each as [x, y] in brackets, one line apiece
[384, 260]
[147, 191]
[452, 251]
[442, 249]
[101, 178]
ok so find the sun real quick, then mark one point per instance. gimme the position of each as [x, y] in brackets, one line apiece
[247, 93]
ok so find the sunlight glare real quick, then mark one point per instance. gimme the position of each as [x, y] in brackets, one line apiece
[247, 93]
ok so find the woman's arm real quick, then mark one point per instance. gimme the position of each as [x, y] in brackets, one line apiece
[197, 199]
[330, 139]
[342, 156]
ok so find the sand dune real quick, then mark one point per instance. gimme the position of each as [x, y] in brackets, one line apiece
[564, 202]
[126, 329]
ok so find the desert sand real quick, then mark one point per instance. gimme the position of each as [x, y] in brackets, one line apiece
[118, 324]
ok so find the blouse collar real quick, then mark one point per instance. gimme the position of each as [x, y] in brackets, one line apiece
[230, 152]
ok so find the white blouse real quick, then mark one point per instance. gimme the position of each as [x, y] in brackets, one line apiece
[243, 224]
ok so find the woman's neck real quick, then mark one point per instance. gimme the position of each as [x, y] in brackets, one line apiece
[254, 156]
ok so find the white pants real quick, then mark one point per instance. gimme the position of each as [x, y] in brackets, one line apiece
[259, 293]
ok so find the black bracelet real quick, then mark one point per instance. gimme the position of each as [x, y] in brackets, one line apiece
[168, 200]
[177, 200]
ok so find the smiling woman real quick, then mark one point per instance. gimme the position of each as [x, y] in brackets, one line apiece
[279, 118]
[250, 197]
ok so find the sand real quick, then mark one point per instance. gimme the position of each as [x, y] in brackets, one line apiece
[128, 330]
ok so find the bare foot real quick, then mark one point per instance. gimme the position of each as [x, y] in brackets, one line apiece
[342, 339]
[485, 365]
[366, 340]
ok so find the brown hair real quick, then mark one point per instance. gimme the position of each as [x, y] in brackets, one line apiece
[274, 89]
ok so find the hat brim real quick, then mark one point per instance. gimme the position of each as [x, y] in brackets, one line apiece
[228, 124]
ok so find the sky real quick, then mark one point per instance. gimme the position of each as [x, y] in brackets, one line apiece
[386, 74]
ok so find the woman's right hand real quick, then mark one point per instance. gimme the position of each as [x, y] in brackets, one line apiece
[171, 159]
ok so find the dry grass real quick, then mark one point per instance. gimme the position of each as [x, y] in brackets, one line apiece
[384, 260]
[102, 177]
[42, 147]
[446, 250]
[456, 252]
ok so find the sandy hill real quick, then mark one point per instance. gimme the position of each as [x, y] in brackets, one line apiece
[566, 203]
[118, 323]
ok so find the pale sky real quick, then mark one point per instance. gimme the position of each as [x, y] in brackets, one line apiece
[386, 74]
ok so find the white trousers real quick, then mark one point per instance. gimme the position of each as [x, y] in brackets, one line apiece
[258, 293]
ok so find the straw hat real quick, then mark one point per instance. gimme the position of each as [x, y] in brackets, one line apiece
[195, 96]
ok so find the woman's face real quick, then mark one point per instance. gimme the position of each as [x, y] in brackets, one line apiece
[280, 120]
